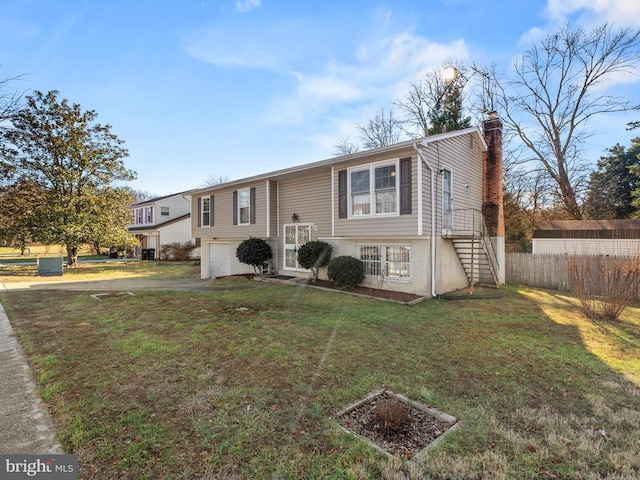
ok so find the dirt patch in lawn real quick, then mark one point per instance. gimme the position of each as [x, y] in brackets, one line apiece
[396, 425]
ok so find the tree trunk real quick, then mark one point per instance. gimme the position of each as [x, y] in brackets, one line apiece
[72, 256]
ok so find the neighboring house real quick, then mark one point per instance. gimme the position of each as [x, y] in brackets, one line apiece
[587, 237]
[412, 212]
[161, 221]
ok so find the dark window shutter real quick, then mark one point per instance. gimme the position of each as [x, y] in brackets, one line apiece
[211, 211]
[199, 211]
[405, 186]
[235, 207]
[252, 205]
[342, 194]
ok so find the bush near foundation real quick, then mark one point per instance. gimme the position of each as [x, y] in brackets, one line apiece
[346, 272]
[313, 255]
[254, 251]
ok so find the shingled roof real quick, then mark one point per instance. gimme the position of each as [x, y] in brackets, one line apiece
[614, 229]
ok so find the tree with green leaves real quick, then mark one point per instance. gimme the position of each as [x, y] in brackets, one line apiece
[20, 204]
[73, 161]
[611, 187]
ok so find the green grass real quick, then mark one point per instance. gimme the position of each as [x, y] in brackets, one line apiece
[189, 385]
[103, 271]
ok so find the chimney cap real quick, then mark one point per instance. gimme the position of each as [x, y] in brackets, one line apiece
[492, 114]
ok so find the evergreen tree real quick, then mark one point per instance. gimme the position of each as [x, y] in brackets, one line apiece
[612, 185]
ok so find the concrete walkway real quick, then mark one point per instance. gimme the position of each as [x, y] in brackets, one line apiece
[25, 424]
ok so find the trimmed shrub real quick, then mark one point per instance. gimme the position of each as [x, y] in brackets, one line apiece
[346, 272]
[313, 255]
[254, 251]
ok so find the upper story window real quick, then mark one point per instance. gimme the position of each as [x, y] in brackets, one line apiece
[164, 211]
[206, 211]
[143, 216]
[374, 189]
[244, 206]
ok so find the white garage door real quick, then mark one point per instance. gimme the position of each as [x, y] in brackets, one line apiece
[219, 259]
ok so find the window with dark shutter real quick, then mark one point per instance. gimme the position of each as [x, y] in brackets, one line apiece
[405, 186]
[199, 212]
[211, 211]
[235, 207]
[252, 205]
[342, 194]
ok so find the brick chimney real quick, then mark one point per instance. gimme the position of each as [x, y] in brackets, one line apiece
[492, 208]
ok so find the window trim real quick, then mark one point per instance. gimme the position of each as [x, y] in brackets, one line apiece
[371, 167]
[248, 206]
[384, 261]
[205, 211]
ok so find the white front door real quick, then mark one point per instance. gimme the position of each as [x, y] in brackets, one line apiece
[295, 235]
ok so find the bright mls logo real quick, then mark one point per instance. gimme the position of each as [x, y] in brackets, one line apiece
[49, 467]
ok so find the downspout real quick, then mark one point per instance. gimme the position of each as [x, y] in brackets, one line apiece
[433, 219]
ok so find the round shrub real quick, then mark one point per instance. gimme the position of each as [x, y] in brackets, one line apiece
[345, 271]
[313, 255]
[254, 251]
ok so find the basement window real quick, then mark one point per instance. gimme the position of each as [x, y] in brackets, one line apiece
[386, 261]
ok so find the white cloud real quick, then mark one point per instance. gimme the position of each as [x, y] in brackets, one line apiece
[220, 47]
[381, 71]
[621, 12]
[243, 6]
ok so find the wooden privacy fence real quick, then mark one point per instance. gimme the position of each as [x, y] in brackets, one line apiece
[553, 271]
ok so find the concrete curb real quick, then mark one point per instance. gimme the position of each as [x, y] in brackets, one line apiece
[25, 424]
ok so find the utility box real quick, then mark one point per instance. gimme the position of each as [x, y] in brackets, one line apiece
[49, 266]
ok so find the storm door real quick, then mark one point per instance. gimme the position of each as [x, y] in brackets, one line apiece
[295, 235]
[447, 201]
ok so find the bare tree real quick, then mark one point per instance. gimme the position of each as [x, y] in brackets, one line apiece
[10, 99]
[212, 180]
[345, 147]
[556, 88]
[434, 103]
[382, 130]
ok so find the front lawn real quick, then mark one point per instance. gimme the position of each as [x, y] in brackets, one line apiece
[244, 383]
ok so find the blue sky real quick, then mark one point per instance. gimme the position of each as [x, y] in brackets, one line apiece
[237, 88]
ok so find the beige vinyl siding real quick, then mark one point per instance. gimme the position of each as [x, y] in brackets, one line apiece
[223, 214]
[310, 198]
[391, 226]
[463, 157]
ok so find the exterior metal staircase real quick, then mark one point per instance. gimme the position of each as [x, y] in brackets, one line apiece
[473, 247]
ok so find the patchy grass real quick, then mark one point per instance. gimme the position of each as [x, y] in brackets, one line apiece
[244, 383]
[104, 271]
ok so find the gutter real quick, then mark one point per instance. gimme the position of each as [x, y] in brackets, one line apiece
[433, 219]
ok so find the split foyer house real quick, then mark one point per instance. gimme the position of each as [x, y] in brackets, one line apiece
[161, 221]
[424, 216]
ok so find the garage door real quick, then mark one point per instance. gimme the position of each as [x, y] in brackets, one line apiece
[219, 259]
